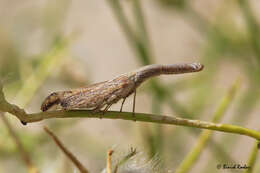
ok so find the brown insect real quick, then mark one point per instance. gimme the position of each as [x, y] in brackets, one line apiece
[102, 95]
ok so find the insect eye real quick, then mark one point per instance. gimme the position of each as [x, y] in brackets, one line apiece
[53, 94]
[51, 100]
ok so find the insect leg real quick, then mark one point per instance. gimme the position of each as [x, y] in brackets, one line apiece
[109, 102]
[106, 108]
[98, 110]
[134, 105]
[122, 105]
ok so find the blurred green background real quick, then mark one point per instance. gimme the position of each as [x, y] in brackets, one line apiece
[47, 46]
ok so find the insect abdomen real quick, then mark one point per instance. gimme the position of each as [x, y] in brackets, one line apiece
[156, 70]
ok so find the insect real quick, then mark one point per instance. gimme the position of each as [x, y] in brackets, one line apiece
[100, 96]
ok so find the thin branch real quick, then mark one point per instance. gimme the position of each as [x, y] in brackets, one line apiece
[109, 167]
[159, 119]
[143, 117]
[76, 162]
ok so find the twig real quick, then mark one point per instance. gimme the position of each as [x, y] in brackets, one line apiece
[24, 154]
[76, 162]
[109, 167]
[159, 119]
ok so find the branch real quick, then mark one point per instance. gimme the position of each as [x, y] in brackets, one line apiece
[76, 162]
[159, 119]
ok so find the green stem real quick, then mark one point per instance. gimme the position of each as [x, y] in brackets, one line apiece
[136, 43]
[252, 158]
[157, 139]
[190, 159]
[159, 119]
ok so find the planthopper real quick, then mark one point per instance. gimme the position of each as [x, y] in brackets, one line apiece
[100, 96]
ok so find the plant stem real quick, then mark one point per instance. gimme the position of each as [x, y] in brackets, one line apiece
[159, 119]
[252, 158]
[204, 137]
[142, 117]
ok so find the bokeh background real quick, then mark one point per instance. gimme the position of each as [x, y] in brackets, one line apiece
[47, 46]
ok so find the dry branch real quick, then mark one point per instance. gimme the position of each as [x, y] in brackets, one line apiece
[76, 162]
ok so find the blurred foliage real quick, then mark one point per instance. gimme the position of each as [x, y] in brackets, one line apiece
[35, 55]
[179, 4]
